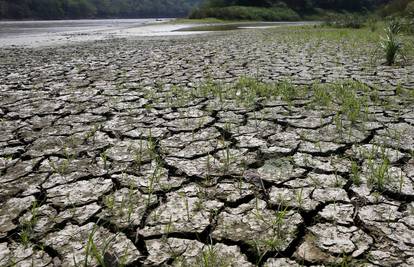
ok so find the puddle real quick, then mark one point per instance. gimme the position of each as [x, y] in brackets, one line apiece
[241, 26]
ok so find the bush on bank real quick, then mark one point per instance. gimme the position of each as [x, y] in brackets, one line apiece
[246, 13]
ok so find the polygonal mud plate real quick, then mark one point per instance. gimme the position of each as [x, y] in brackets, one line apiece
[198, 148]
[370, 151]
[231, 190]
[332, 163]
[149, 178]
[319, 147]
[281, 262]
[253, 223]
[331, 133]
[91, 243]
[279, 170]
[78, 193]
[43, 219]
[386, 221]
[381, 176]
[186, 210]
[138, 151]
[188, 124]
[10, 211]
[78, 214]
[335, 239]
[338, 213]
[299, 198]
[399, 136]
[224, 162]
[184, 252]
[126, 207]
[18, 255]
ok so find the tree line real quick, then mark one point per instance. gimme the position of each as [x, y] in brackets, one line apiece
[74, 9]
[67, 9]
[303, 5]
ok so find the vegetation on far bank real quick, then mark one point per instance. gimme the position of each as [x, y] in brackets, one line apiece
[276, 13]
[277, 10]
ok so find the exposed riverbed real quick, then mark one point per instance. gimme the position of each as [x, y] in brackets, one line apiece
[111, 151]
[64, 32]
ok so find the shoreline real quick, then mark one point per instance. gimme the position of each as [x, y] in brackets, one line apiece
[55, 33]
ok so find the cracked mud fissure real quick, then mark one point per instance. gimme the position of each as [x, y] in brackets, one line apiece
[154, 152]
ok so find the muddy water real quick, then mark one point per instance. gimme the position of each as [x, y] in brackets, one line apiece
[10, 28]
[45, 33]
[61, 32]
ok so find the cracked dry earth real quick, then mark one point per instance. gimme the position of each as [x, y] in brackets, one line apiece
[103, 163]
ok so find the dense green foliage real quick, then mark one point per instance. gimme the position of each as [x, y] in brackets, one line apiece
[281, 9]
[318, 9]
[398, 7]
[57, 9]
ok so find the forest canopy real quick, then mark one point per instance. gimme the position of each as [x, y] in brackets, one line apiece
[63, 9]
[226, 9]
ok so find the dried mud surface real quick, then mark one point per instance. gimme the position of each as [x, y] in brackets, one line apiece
[101, 163]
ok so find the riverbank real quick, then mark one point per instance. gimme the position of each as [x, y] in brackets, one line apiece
[68, 32]
[274, 147]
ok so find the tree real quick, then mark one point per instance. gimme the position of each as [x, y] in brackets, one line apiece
[53, 9]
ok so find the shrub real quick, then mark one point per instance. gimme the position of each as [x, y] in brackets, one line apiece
[372, 23]
[346, 21]
[409, 10]
[246, 13]
[395, 7]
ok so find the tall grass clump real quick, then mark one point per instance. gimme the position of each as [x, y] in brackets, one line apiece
[391, 45]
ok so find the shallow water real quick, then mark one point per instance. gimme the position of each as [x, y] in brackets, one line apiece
[46, 33]
[11, 28]
[62, 32]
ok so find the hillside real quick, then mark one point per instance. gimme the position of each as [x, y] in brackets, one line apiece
[67, 9]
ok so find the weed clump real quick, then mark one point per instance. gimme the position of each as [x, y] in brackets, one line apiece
[391, 45]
